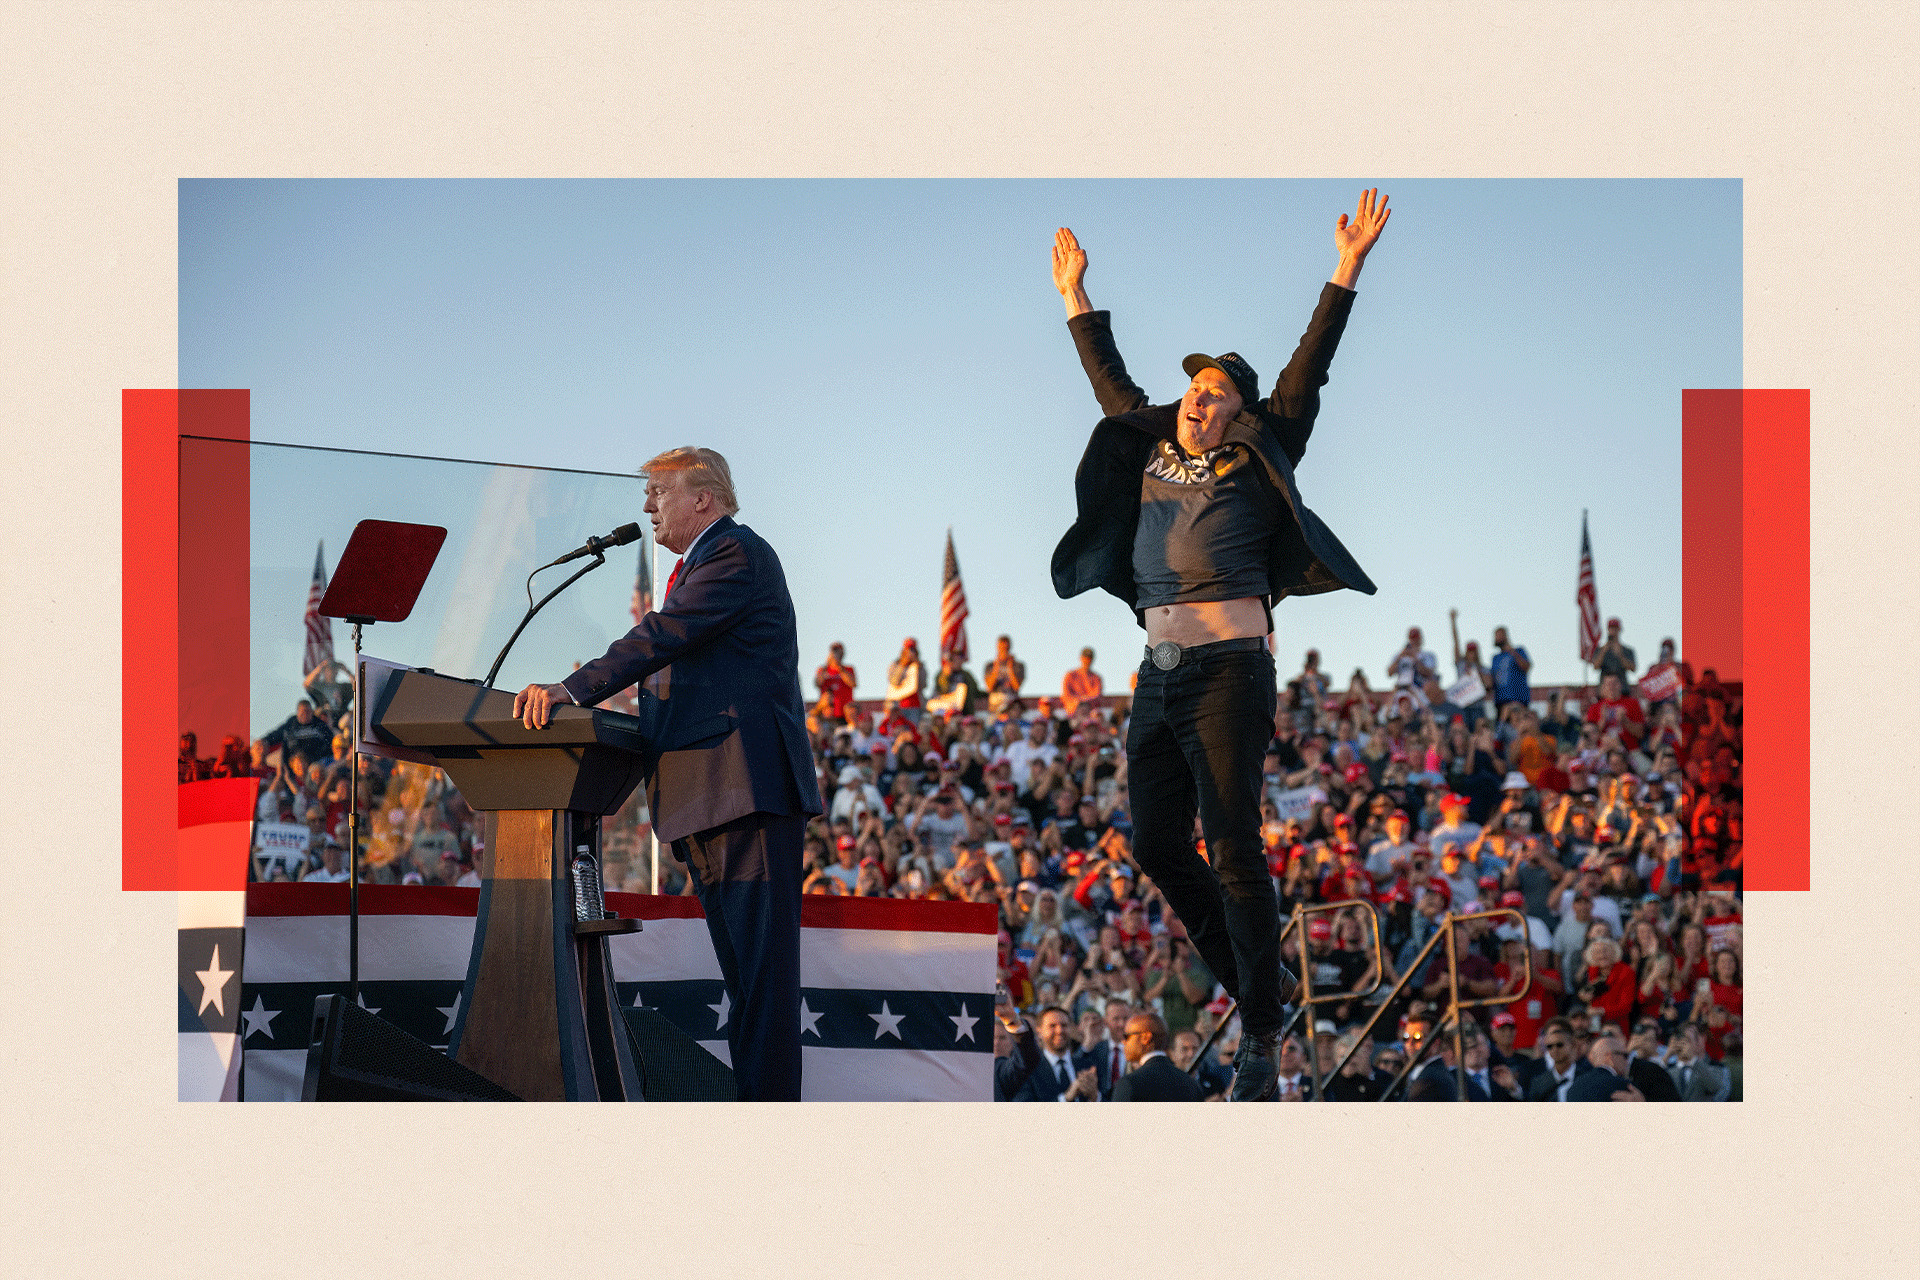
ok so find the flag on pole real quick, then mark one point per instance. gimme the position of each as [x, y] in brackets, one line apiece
[1587, 598]
[953, 608]
[319, 629]
[643, 582]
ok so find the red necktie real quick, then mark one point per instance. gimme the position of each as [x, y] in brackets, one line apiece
[670, 578]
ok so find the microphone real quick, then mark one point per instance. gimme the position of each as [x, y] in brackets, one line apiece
[595, 546]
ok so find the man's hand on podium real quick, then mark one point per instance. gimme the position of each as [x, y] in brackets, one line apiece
[534, 704]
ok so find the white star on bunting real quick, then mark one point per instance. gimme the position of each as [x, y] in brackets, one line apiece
[720, 1010]
[260, 1018]
[962, 1024]
[809, 1020]
[452, 1011]
[213, 983]
[887, 1022]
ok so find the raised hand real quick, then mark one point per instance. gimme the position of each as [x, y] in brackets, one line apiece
[1070, 272]
[1355, 237]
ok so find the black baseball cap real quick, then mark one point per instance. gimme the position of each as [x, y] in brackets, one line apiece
[1245, 380]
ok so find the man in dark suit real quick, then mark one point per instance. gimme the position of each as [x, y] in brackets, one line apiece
[1153, 1077]
[1607, 1081]
[732, 781]
[1560, 1065]
[1438, 1081]
[1643, 1066]
[1695, 1078]
[1063, 1073]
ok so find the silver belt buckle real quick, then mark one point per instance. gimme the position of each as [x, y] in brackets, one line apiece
[1166, 655]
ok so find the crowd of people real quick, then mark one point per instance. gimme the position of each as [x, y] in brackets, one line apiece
[1607, 821]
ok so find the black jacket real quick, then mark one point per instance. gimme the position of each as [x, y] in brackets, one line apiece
[1011, 1073]
[1157, 1080]
[1303, 558]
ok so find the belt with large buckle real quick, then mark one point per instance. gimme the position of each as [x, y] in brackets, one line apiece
[1167, 655]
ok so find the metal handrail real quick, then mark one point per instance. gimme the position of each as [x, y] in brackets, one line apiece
[1307, 999]
[1448, 1019]
[1450, 1016]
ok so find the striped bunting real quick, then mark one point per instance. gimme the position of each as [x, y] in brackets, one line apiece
[896, 997]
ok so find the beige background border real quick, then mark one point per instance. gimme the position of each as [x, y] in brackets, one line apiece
[107, 105]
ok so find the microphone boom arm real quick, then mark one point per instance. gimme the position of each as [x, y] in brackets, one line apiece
[599, 558]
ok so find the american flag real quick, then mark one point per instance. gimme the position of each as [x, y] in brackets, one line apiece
[1587, 598]
[643, 582]
[953, 608]
[319, 629]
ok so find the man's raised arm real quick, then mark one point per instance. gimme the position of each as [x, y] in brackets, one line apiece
[1355, 238]
[1070, 272]
[1295, 399]
[1092, 334]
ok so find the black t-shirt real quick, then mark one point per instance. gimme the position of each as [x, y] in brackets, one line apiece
[310, 741]
[1075, 836]
[1204, 526]
[1337, 971]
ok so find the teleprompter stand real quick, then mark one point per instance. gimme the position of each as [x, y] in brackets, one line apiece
[378, 579]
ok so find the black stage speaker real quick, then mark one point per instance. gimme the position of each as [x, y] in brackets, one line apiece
[354, 1056]
[672, 1065]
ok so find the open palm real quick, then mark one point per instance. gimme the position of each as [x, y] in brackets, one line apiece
[1354, 237]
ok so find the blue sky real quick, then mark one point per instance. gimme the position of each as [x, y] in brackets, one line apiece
[881, 360]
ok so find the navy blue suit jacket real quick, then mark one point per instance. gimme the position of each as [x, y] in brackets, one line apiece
[1157, 1080]
[731, 735]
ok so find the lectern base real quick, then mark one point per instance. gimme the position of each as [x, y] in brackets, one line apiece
[354, 1056]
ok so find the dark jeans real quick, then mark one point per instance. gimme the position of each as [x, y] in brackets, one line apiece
[746, 875]
[1195, 744]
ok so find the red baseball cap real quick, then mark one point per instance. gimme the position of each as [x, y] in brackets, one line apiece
[1503, 1019]
[1513, 898]
[1453, 800]
[1320, 929]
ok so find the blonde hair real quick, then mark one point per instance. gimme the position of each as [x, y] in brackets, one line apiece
[704, 470]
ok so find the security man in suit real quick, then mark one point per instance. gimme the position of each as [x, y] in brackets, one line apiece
[733, 782]
[1152, 1076]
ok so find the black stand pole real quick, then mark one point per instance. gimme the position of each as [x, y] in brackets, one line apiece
[353, 833]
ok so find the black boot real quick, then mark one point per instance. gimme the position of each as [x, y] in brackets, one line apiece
[1255, 1070]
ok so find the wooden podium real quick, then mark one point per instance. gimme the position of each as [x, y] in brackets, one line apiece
[538, 1014]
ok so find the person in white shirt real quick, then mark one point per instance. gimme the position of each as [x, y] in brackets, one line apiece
[332, 872]
[1412, 665]
[1037, 745]
[857, 794]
